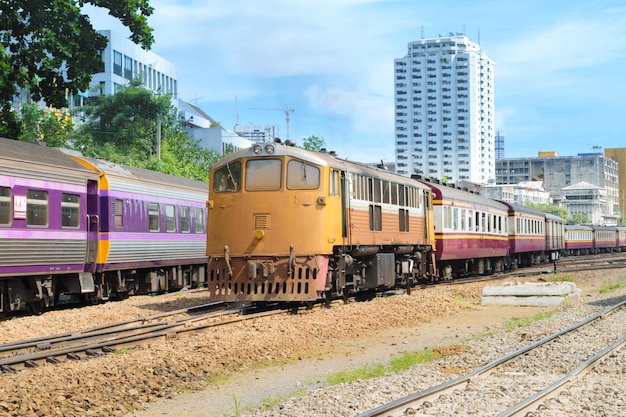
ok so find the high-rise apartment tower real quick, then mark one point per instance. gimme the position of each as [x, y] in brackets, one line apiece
[444, 111]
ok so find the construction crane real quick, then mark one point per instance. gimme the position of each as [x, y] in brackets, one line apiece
[286, 110]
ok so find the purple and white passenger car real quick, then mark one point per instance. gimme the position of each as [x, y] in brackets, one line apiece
[83, 227]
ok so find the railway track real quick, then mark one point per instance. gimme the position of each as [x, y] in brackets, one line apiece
[521, 382]
[101, 340]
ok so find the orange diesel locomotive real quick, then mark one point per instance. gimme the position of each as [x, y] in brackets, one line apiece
[287, 224]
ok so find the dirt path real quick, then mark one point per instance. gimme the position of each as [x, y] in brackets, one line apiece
[252, 387]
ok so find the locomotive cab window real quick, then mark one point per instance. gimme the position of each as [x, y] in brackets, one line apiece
[227, 178]
[5, 205]
[70, 209]
[302, 176]
[37, 208]
[263, 174]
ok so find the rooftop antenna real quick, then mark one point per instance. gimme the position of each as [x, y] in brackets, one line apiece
[422, 31]
[236, 112]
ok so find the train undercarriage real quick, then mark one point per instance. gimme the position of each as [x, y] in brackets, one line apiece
[37, 293]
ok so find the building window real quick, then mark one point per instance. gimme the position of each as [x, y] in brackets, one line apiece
[128, 67]
[117, 63]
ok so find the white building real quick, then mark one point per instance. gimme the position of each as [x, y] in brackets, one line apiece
[444, 111]
[527, 191]
[257, 133]
[124, 60]
[207, 132]
[591, 200]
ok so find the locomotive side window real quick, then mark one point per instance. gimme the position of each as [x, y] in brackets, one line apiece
[227, 178]
[394, 193]
[70, 210]
[37, 208]
[302, 176]
[263, 174]
[386, 192]
[185, 220]
[153, 217]
[198, 217]
[404, 220]
[170, 219]
[376, 217]
[5, 205]
[118, 210]
[334, 182]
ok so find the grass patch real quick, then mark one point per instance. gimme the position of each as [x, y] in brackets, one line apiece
[123, 351]
[560, 278]
[609, 288]
[518, 322]
[397, 364]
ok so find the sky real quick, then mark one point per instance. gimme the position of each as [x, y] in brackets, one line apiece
[560, 66]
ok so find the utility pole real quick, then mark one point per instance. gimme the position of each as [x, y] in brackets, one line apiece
[286, 110]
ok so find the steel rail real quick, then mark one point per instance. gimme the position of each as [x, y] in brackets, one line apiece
[525, 406]
[453, 384]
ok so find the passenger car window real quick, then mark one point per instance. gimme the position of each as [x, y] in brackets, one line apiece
[154, 217]
[36, 208]
[227, 178]
[5, 205]
[70, 210]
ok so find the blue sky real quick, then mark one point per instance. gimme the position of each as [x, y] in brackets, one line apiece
[560, 73]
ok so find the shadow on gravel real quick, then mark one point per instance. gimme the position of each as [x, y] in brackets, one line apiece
[608, 301]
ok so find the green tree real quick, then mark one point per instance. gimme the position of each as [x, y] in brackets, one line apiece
[50, 49]
[39, 125]
[123, 127]
[548, 208]
[314, 143]
[579, 218]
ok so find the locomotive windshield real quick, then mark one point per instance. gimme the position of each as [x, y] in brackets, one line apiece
[227, 178]
[302, 176]
[263, 174]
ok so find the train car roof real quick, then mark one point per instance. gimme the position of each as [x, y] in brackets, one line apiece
[442, 191]
[577, 227]
[320, 159]
[39, 153]
[111, 168]
[525, 209]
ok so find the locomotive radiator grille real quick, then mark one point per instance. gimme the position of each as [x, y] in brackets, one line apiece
[261, 221]
[303, 284]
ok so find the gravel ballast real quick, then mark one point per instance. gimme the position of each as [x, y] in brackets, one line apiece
[231, 372]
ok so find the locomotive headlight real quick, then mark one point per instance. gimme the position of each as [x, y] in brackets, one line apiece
[257, 149]
[269, 148]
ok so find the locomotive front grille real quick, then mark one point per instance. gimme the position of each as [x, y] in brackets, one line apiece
[261, 221]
